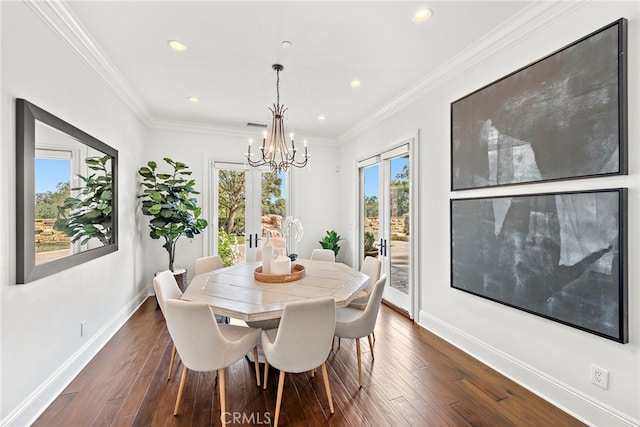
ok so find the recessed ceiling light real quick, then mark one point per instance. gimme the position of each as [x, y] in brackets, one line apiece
[177, 46]
[287, 44]
[422, 15]
[322, 118]
[355, 83]
[194, 99]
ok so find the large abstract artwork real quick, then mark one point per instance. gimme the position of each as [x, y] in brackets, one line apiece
[561, 117]
[560, 256]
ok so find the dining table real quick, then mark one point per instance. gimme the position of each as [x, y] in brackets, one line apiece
[235, 291]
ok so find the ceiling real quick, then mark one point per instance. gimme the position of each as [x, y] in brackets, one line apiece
[231, 47]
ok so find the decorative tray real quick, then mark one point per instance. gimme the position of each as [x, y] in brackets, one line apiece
[297, 273]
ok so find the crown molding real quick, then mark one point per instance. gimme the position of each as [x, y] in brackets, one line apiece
[197, 127]
[65, 25]
[58, 16]
[521, 26]
[228, 131]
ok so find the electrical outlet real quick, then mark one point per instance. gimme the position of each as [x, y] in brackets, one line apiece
[82, 328]
[600, 377]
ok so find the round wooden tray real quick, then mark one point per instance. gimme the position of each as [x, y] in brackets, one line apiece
[296, 274]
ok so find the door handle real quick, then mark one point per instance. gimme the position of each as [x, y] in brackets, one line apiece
[383, 247]
[253, 242]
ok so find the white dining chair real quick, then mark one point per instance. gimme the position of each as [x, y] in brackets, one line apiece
[205, 345]
[209, 263]
[301, 342]
[371, 267]
[166, 287]
[323, 255]
[355, 323]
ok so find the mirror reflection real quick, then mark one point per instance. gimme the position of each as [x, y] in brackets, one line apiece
[73, 195]
[66, 190]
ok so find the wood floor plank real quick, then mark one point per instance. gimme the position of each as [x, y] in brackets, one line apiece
[311, 389]
[416, 379]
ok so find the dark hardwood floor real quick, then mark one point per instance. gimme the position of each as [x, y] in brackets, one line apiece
[417, 379]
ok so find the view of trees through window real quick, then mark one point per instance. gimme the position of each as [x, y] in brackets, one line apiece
[232, 206]
[47, 202]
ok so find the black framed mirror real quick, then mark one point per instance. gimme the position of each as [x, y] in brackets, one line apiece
[66, 195]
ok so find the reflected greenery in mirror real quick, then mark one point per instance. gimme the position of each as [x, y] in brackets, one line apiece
[66, 182]
[88, 216]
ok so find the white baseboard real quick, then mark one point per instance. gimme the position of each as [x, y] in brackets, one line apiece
[564, 396]
[35, 404]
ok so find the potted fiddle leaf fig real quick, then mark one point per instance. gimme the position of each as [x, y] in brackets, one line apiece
[168, 198]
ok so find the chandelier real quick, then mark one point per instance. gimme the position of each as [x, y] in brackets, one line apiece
[276, 153]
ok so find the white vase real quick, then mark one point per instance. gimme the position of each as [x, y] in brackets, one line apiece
[267, 254]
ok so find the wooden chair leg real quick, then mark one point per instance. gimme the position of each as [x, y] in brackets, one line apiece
[223, 398]
[256, 364]
[327, 387]
[371, 346]
[338, 342]
[266, 372]
[313, 372]
[279, 398]
[359, 362]
[173, 358]
[183, 380]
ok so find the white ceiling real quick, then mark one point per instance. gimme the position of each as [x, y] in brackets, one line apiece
[232, 46]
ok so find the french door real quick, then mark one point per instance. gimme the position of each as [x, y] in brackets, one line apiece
[247, 201]
[385, 207]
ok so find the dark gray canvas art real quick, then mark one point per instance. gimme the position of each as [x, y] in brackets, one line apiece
[559, 255]
[561, 117]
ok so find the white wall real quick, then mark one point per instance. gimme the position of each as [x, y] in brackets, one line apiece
[41, 343]
[551, 359]
[197, 149]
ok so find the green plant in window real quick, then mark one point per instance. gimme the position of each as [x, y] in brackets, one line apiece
[369, 242]
[88, 216]
[228, 249]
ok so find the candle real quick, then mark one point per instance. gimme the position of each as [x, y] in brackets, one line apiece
[281, 265]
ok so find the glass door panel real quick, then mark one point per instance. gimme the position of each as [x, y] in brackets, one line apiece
[249, 201]
[371, 231]
[273, 201]
[398, 243]
[232, 215]
[385, 210]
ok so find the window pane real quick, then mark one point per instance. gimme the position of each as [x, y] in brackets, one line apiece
[231, 215]
[52, 187]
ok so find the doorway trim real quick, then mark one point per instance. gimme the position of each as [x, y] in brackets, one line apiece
[414, 225]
